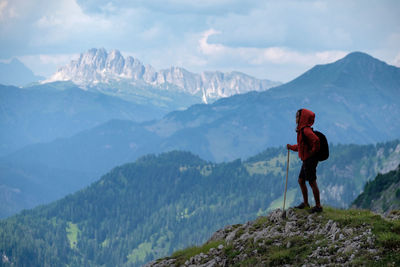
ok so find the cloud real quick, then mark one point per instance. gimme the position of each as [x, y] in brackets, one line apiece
[267, 55]
[258, 37]
[7, 11]
[210, 49]
[46, 64]
[396, 61]
[204, 7]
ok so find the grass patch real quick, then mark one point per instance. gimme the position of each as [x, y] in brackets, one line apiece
[183, 255]
[356, 218]
[230, 252]
[386, 232]
[72, 234]
[299, 249]
[140, 253]
[279, 256]
[389, 240]
[251, 262]
[261, 222]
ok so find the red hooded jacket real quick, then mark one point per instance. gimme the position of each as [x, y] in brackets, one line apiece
[309, 147]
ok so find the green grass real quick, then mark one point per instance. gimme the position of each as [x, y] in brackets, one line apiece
[261, 222]
[387, 235]
[140, 253]
[386, 232]
[280, 256]
[230, 252]
[183, 255]
[72, 234]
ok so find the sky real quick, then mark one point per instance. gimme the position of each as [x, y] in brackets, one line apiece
[275, 40]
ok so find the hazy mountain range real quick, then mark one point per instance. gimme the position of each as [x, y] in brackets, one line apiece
[96, 66]
[16, 73]
[43, 113]
[355, 99]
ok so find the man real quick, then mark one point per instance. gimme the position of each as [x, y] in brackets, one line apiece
[308, 145]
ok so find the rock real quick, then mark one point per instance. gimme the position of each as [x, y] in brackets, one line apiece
[290, 226]
[211, 263]
[229, 238]
[327, 227]
[275, 216]
[335, 245]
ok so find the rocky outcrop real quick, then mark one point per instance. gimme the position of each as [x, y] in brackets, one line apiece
[299, 239]
[97, 66]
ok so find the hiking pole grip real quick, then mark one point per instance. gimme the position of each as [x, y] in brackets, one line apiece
[287, 174]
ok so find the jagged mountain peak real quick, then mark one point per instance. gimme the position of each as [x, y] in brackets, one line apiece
[99, 66]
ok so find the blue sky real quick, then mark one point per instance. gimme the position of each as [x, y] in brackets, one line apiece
[276, 40]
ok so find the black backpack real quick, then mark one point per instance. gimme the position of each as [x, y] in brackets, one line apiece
[323, 153]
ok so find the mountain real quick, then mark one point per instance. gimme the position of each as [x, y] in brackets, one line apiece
[382, 194]
[147, 209]
[355, 100]
[45, 112]
[242, 125]
[16, 73]
[99, 67]
[334, 237]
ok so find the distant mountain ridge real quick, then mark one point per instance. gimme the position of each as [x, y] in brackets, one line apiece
[355, 100]
[98, 66]
[43, 113]
[16, 73]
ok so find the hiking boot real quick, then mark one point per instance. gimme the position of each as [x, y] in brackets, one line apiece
[316, 209]
[302, 206]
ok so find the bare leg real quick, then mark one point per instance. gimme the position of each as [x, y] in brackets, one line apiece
[315, 190]
[303, 188]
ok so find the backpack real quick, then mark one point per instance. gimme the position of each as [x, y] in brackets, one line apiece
[323, 153]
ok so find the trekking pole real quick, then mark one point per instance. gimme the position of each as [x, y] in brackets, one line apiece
[284, 196]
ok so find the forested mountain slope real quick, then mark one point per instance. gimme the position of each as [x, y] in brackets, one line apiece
[150, 208]
[382, 194]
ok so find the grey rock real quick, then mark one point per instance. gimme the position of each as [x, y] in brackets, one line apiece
[290, 226]
[229, 238]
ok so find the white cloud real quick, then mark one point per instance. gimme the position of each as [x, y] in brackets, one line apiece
[3, 6]
[396, 61]
[267, 55]
[47, 64]
[210, 49]
[66, 23]
[7, 11]
[260, 38]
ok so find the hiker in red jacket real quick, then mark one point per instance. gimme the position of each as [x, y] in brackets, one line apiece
[307, 146]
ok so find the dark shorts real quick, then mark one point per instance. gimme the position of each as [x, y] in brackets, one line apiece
[308, 170]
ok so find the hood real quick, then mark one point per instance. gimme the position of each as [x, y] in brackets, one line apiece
[307, 118]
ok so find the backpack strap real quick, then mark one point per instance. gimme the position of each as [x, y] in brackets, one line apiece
[304, 136]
